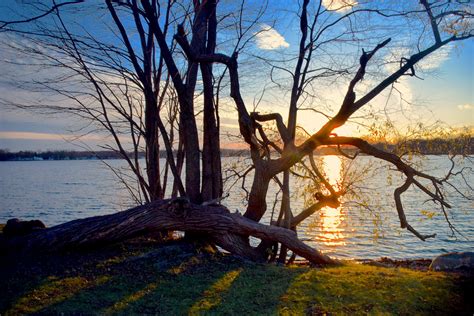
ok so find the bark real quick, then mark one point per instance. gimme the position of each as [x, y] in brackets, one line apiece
[258, 194]
[179, 163]
[190, 134]
[175, 214]
[152, 150]
[297, 74]
[191, 141]
[285, 210]
[211, 162]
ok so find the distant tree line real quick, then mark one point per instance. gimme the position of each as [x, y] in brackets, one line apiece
[437, 146]
[6, 155]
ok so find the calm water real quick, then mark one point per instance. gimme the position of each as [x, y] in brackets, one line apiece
[60, 191]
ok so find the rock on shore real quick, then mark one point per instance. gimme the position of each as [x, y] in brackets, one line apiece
[453, 261]
[16, 227]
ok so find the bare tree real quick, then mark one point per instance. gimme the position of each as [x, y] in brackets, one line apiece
[319, 26]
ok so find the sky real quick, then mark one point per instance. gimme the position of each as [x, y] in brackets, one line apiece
[445, 92]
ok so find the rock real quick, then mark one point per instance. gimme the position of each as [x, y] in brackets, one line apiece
[15, 227]
[453, 261]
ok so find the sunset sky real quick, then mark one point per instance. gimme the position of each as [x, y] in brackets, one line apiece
[447, 88]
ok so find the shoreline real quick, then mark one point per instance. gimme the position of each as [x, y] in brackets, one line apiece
[417, 263]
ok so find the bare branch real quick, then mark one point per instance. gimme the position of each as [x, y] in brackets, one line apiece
[53, 9]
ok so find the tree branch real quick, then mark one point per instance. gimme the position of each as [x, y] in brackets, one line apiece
[409, 172]
[51, 10]
[284, 133]
[434, 25]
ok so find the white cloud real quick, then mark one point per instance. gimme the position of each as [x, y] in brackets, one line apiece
[268, 38]
[392, 59]
[430, 62]
[435, 59]
[465, 107]
[339, 5]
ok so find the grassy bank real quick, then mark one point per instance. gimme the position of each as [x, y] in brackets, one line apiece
[142, 277]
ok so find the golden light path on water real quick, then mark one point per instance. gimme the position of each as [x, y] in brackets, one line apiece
[332, 219]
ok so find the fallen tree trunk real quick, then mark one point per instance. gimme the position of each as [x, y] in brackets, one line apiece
[226, 229]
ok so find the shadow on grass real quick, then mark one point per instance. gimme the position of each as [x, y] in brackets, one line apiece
[26, 281]
[124, 282]
[30, 283]
[160, 292]
[149, 280]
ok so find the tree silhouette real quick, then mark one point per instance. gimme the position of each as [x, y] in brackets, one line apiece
[128, 82]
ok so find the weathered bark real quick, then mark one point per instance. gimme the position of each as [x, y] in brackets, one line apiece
[175, 214]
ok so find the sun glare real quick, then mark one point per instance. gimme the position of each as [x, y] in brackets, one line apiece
[346, 130]
[331, 219]
[333, 169]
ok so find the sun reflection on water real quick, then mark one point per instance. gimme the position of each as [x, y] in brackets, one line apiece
[332, 219]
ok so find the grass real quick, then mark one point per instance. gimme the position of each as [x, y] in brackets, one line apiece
[147, 278]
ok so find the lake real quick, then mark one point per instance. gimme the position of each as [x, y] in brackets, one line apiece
[363, 227]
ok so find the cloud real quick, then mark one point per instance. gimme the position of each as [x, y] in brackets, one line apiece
[339, 5]
[465, 107]
[268, 38]
[404, 95]
[392, 58]
[435, 59]
[430, 62]
[45, 136]
[30, 135]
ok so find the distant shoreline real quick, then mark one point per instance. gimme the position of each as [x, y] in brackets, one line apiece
[463, 146]
[87, 155]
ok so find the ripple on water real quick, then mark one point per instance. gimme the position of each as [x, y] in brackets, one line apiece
[59, 191]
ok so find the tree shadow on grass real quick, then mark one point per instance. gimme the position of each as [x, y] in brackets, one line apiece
[257, 290]
[25, 276]
[169, 291]
[29, 282]
[198, 284]
[216, 286]
[162, 279]
[175, 282]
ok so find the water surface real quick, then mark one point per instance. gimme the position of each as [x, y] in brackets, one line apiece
[60, 191]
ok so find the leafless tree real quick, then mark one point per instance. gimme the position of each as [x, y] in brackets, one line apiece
[196, 37]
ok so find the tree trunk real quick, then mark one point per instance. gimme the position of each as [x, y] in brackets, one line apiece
[258, 194]
[175, 214]
[211, 156]
[179, 162]
[211, 163]
[285, 210]
[152, 150]
[191, 149]
[191, 140]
